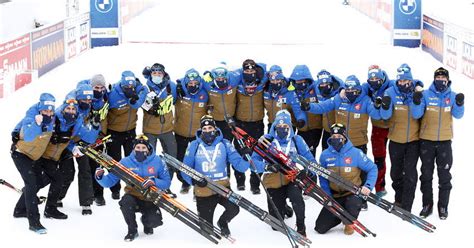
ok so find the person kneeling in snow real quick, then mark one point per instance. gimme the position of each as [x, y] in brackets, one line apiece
[145, 163]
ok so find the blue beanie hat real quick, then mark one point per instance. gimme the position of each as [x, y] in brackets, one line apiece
[324, 77]
[128, 78]
[375, 72]
[404, 72]
[352, 82]
[46, 102]
[84, 92]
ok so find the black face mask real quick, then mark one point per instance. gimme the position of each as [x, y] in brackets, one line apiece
[249, 78]
[440, 85]
[84, 105]
[98, 94]
[336, 143]
[47, 119]
[222, 84]
[301, 86]
[69, 117]
[140, 156]
[375, 84]
[407, 88]
[208, 137]
[325, 90]
[352, 95]
[193, 89]
[274, 88]
[282, 132]
[128, 92]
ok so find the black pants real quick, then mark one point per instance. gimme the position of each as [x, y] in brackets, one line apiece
[151, 214]
[279, 196]
[441, 152]
[403, 171]
[114, 148]
[207, 205]
[311, 138]
[67, 170]
[182, 143]
[324, 140]
[326, 220]
[32, 176]
[254, 129]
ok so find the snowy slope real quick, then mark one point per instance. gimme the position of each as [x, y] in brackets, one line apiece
[185, 34]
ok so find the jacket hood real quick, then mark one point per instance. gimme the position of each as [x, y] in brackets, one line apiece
[301, 72]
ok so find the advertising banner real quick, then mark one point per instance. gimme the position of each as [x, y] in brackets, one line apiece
[76, 35]
[15, 64]
[433, 37]
[105, 24]
[407, 23]
[48, 48]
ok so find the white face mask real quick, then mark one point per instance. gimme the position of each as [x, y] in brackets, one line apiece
[156, 79]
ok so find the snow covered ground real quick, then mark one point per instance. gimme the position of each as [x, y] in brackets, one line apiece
[186, 34]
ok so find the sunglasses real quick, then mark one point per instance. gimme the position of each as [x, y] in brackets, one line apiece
[192, 76]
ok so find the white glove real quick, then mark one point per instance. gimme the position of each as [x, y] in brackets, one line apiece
[38, 119]
[76, 152]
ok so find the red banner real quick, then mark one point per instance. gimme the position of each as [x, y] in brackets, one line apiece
[15, 64]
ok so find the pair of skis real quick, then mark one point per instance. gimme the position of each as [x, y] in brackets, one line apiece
[237, 200]
[299, 176]
[157, 196]
[372, 198]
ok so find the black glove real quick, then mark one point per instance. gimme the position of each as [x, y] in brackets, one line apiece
[200, 183]
[417, 97]
[245, 151]
[272, 167]
[378, 102]
[300, 123]
[95, 120]
[386, 100]
[146, 72]
[134, 99]
[15, 137]
[179, 89]
[460, 99]
[304, 106]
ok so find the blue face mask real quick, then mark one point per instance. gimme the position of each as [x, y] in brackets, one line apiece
[84, 105]
[440, 85]
[407, 88]
[140, 156]
[282, 132]
[352, 95]
[336, 143]
[156, 79]
[208, 137]
[47, 119]
[98, 94]
[69, 117]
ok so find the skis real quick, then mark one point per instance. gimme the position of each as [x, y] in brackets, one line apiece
[236, 199]
[298, 175]
[372, 198]
[157, 196]
[41, 199]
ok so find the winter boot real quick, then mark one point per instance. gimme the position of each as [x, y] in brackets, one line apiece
[348, 230]
[381, 193]
[54, 213]
[240, 187]
[99, 201]
[224, 227]
[288, 211]
[59, 204]
[38, 228]
[130, 236]
[364, 206]
[301, 229]
[184, 189]
[443, 212]
[116, 196]
[19, 213]
[426, 211]
[255, 191]
[148, 230]
[86, 210]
